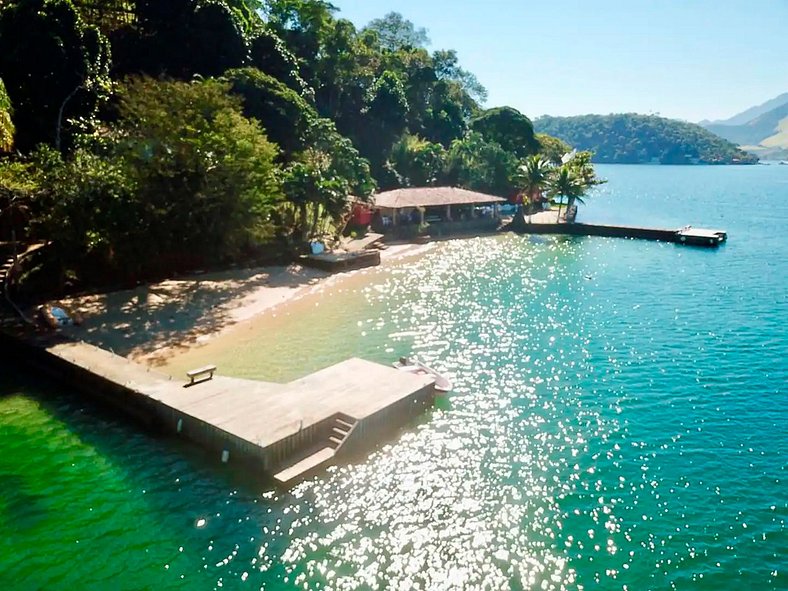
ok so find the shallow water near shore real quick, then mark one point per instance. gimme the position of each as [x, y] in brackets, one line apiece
[618, 422]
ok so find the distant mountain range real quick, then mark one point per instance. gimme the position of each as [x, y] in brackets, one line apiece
[761, 130]
[749, 114]
[629, 138]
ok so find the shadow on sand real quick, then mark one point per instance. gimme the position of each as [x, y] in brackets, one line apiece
[176, 313]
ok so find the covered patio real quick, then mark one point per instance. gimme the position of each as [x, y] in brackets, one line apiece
[438, 211]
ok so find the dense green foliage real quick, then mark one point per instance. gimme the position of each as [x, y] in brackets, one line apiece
[287, 115]
[538, 177]
[182, 177]
[155, 136]
[509, 128]
[481, 165]
[631, 138]
[551, 147]
[417, 162]
[395, 32]
[54, 66]
[6, 124]
[533, 177]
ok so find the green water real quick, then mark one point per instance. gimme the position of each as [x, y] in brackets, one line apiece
[618, 422]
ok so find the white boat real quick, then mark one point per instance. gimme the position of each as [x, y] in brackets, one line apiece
[442, 383]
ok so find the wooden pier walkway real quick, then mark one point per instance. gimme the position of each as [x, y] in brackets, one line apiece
[290, 431]
[686, 235]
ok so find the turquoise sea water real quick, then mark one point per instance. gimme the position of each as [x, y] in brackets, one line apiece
[618, 422]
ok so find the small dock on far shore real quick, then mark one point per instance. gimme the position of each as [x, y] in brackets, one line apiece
[686, 235]
[700, 236]
[356, 253]
[335, 262]
[289, 431]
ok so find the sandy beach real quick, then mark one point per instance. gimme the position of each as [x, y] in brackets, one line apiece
[153, 323]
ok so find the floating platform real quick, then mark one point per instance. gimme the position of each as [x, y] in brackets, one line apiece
[701, 236]
[342, 261]
[289, 431]
[686, 235]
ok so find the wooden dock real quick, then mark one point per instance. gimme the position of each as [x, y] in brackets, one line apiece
[686, 235]
[334, 262]
[700, 236]
[290, 431]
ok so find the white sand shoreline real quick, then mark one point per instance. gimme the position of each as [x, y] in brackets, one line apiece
[153, 323]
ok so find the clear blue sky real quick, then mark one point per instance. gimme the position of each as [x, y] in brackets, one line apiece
[688, 59]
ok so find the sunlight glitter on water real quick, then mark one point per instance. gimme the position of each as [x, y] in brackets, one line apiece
[532, 473]
[618, 422]
[470, 495]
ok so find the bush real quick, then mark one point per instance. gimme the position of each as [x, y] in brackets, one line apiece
[182, 179]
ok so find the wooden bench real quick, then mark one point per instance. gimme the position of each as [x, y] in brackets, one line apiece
[200, 371]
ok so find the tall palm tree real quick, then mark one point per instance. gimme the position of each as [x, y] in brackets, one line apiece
[533, 177]
[565, 182]
[586, 176]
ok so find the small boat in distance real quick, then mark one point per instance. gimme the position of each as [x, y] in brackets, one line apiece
[442, 383]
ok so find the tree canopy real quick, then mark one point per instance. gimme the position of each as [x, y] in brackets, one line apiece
[286, 115]
[55, 68]
[396, 32]
[6, 124]
[551, 147]
[509, 128]
[152, 136]
[181, 176]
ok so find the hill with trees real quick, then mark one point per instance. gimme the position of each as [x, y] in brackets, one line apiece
[141, 137]
[631, 138]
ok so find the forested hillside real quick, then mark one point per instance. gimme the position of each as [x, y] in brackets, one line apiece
[630, 138]
[143, 136]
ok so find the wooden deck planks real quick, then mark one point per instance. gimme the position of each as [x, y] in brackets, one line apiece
[260, 413]
[299, 469]
[357, 387]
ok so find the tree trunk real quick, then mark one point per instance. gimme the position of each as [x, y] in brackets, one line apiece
[60, 116]
[304, 221]
[519, 217]
[569, 205]
[315, 218]
[560, 203]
